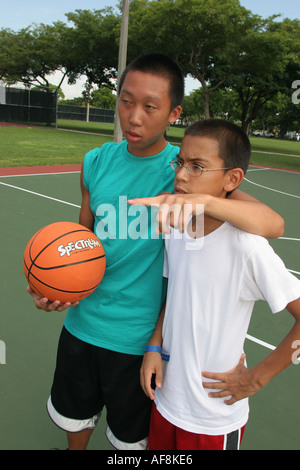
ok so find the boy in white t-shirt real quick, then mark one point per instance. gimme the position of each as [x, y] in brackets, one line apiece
[214, 278]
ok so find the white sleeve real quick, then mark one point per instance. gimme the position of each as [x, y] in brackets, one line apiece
[267, 278]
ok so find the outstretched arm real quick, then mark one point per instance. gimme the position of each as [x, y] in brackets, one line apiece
[240, 209]
[250, 215]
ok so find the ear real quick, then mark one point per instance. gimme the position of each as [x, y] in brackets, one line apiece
[234, 178]
[175, 114]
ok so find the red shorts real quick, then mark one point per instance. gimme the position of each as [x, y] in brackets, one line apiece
[165, 436]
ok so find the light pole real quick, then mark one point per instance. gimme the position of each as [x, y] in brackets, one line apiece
[122, 62]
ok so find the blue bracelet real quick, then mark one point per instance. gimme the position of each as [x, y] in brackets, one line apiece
[165, 357]
[151, 347]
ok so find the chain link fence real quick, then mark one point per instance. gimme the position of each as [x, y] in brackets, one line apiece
[40, 106]
[25, 105]
[78, 113]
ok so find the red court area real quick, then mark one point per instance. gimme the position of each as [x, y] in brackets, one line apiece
[35, 170]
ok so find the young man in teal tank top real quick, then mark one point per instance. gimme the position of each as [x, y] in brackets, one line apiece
[102, 342]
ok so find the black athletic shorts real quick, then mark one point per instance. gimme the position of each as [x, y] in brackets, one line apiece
[86, 379]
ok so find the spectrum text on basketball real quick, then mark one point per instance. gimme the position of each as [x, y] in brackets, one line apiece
[90, 243]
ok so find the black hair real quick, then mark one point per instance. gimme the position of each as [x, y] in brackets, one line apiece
[163, 66]
[234, 144]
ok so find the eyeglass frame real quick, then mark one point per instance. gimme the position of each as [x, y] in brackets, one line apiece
[203, 170]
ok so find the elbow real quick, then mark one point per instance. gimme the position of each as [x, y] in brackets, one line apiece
[282, 227]
[278, 228]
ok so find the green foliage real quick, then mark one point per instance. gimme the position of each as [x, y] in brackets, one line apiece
[269, 62]
[103, 98]
[245, 64]
[32, 54]
[202, 35]
[88, 47]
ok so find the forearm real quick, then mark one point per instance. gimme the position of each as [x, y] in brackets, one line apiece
[152, 362]
[278, 360]
[247, 213]
[156, 338]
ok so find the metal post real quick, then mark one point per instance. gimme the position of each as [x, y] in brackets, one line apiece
[122, 63]
[28, 104]
[56, 108]
[88, 111]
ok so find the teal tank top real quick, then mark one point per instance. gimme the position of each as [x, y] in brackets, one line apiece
[122, 313]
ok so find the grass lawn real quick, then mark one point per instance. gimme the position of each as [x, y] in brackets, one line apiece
[276, 161]
[261, 145]
[25, 146]
[21, 146]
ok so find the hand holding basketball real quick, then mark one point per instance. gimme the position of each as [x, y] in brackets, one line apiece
[63, 263]
[42, 303]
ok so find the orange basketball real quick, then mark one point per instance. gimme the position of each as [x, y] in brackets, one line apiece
[64, 261]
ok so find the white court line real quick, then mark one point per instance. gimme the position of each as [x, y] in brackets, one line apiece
[295, 172]
[40, 195]
[41, 174]
[262, 343]
[266, 345]
[294, 272]
[258, 169]
[271, 189]
[292, 239]
[251, 338]
[276, 153]
[253, 167]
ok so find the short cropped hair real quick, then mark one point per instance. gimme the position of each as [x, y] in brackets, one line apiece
[234, 144]
[163, 66]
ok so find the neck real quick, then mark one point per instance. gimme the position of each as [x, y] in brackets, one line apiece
[210, 225]
[150, 150]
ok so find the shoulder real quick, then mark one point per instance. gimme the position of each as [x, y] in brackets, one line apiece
[96, 156]
[96, 161]
[244, 242]
[97, 153]
[173, 149]
[245, 237]
[257, 253]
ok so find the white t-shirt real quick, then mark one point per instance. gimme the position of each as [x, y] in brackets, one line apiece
[213, 284]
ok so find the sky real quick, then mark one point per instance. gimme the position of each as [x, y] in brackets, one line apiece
[17, 14]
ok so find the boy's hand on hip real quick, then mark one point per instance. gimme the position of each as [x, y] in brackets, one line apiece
[235, 384]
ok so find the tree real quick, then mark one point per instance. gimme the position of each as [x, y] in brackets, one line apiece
[103, 98]
[269, 61]
[32, 54]
[60, 93]
[202, 35]
[223, 105]
[88, 47]
[92, 45]
[280, 114]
